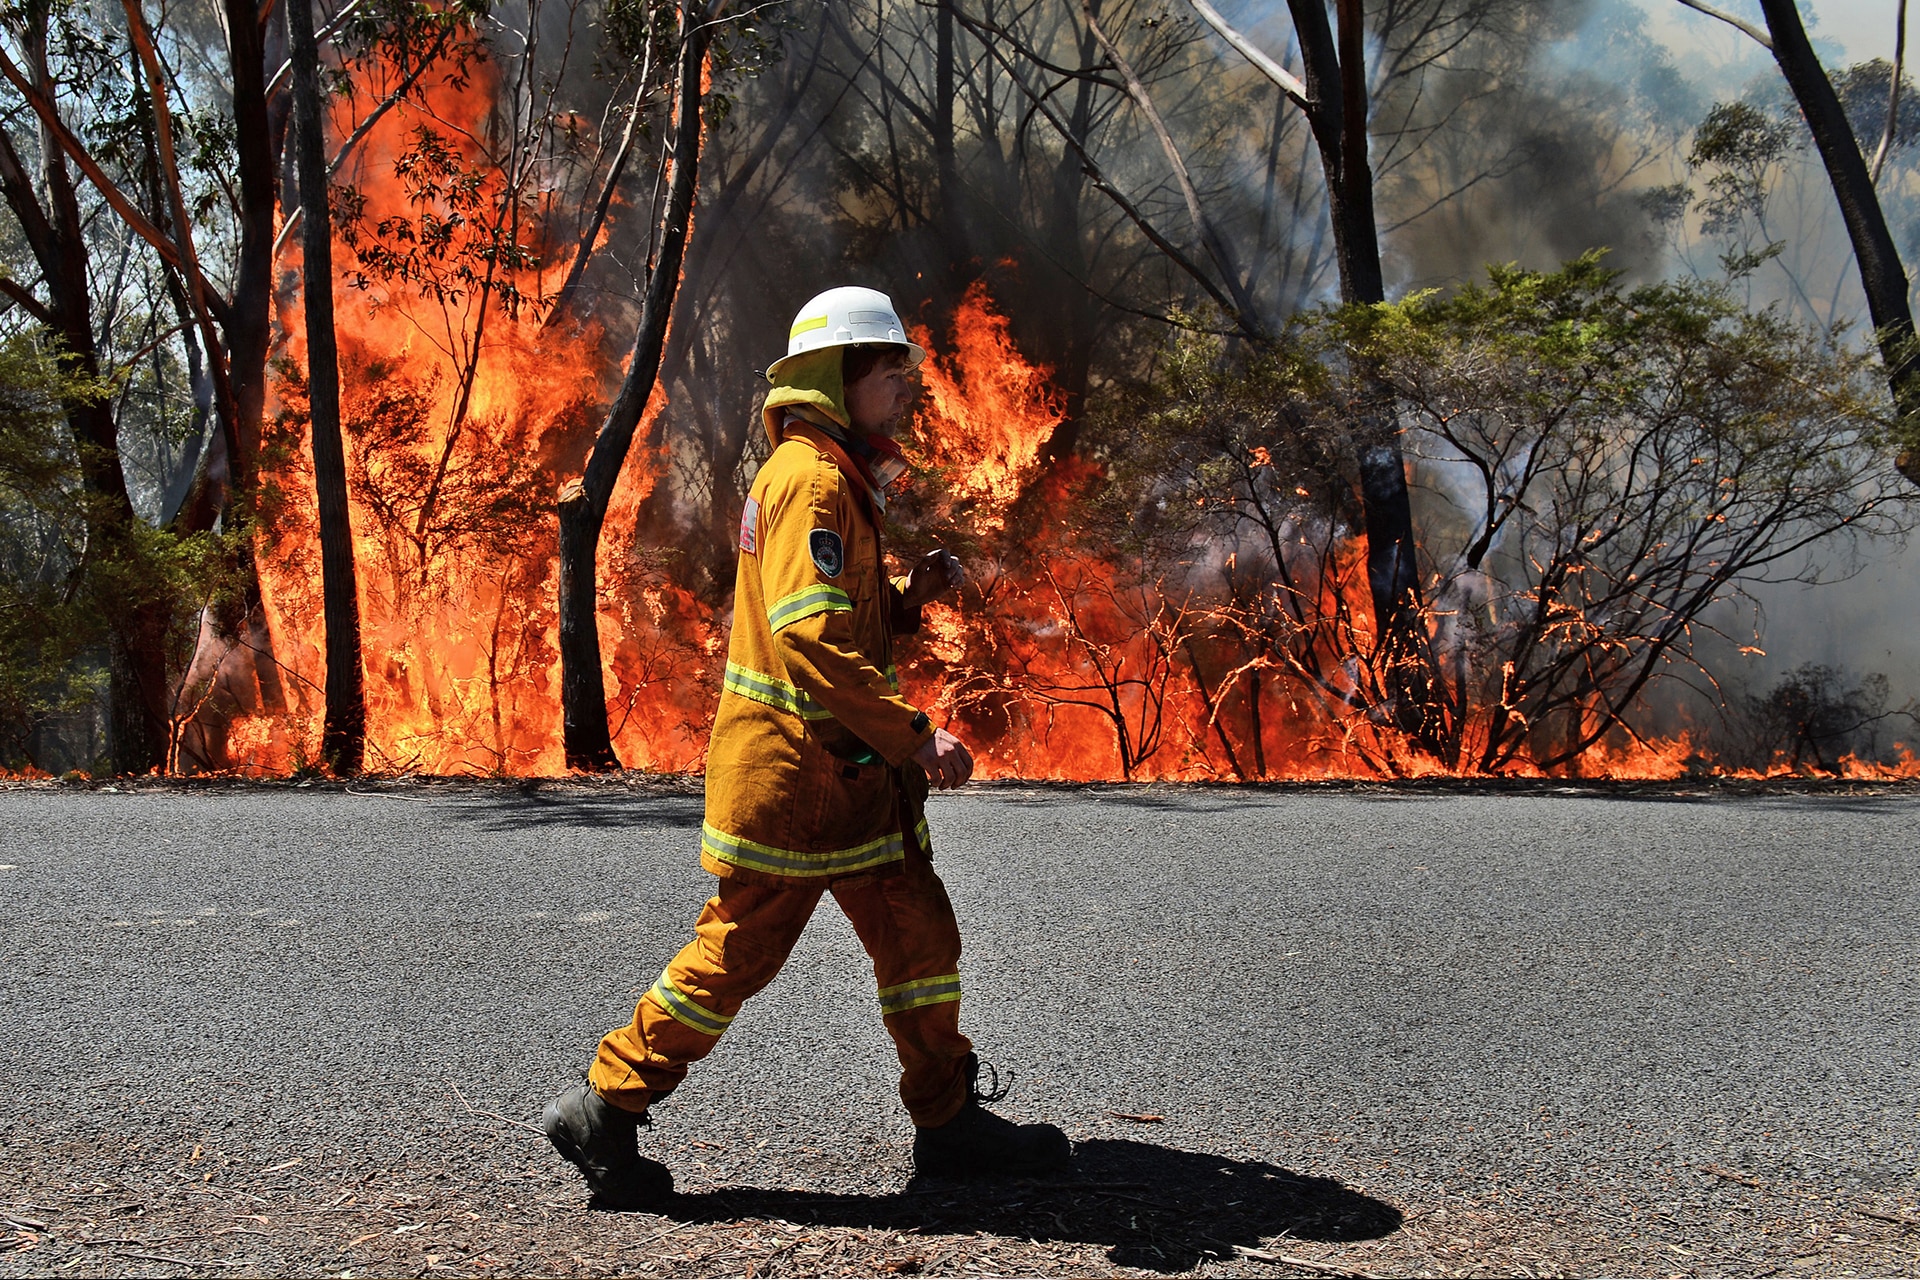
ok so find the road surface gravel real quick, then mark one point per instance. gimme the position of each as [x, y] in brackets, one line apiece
[282, 1029]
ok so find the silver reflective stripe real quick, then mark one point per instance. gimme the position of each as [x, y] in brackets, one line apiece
[788, 610]
[683, 1010]
[774, 693]
[919, 993]
[751, 854]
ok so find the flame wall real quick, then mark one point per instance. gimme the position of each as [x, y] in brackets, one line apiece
[1062, 659]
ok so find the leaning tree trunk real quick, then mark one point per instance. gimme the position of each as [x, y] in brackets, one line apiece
[233, 671]
[343, 739]
[583, 502]
[1881, 273]
[1337, 113]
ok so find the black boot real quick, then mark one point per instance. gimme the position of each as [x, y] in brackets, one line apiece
[979, 1144]
[602, 1141]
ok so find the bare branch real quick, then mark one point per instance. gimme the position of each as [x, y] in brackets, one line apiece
[118, 199]
[365, 127]
[1754, 33]
[1216, 246]
[1100, 183]
[325, 33]
[1289, 83]
[198, 290]
[26, 301]
[584, 249]
[1893, 91]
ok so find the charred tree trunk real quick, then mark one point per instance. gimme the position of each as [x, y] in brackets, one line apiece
[1881, 273]
[1066, 339]
[233, 670]
[943, 152]
[954, 223]
[583, 502]
[1337, 113]
[343, 740]
[259, 130]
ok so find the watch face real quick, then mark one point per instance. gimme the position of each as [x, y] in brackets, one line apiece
[828, 556]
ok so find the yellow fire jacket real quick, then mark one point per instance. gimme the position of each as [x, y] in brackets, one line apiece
[808, 773]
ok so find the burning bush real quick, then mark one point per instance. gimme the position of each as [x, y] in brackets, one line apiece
[1815, 719]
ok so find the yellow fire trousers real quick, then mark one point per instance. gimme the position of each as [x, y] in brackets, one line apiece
[904, 919]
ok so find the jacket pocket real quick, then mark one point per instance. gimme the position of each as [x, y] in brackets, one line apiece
[844, 802]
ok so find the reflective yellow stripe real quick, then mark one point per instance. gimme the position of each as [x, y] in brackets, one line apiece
[755, 856]
[683, 1010]
[919, 993]
[807, 326]
[774, 693]
[804, 604]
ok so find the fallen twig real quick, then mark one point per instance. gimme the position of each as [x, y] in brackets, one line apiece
[178, 1262]
[1305, 1264]
[1731, 1176]
[492, 1115]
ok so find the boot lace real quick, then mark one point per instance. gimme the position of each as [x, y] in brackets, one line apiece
[994, 1091]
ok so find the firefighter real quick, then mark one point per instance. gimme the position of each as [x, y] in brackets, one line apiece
[816, 776]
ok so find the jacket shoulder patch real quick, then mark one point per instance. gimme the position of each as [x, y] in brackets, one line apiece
[750, 527]
[829, 556]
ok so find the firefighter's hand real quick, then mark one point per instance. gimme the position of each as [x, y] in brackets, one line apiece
[938, 572]
[946, 759]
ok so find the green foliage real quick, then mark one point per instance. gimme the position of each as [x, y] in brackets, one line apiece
[1863, 89]
[1739, 146]
[459, 242]
[68, 577]
[1598, 469]
[45, 622]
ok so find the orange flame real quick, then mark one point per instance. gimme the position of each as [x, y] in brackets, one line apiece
[988, 412]
[1064, 660]
[454, 538]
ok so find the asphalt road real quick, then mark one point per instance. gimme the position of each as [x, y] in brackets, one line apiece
[1649, 1021]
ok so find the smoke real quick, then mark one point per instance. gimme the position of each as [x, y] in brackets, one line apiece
[1532, 138]
[1558, 125]
[1528, 145]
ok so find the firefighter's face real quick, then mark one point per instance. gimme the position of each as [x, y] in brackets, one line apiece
[878, 403]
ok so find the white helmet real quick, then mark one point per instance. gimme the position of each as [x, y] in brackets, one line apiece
[846, 317]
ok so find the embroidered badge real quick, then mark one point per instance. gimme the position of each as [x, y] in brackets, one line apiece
[750, 528]
[828, 555]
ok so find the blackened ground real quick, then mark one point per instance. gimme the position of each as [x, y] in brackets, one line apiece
[267, 1030]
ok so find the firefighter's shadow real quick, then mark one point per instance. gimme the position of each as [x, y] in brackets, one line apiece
[531, 810]
[1153, 1207]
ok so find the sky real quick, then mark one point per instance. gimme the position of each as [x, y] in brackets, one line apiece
[1862, 28]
